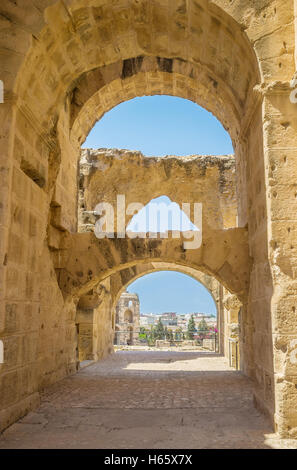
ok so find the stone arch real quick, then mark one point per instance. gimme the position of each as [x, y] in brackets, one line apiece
[184, 80]
[189, 31]
[138, 271]
[130, 275]
[88, 260]
[121, 280]
[188, 55]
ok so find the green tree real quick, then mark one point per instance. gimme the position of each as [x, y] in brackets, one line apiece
[179, 334]
[191, 328]
[159, 331]
[202, 327]
[143, 334]
[170, 334]
[151, 337]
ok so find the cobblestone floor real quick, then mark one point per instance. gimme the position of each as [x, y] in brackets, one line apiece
[147, 399]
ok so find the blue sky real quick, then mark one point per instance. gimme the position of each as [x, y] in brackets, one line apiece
[170, 291]
[158, 126]
[161, 125]
[160, 215]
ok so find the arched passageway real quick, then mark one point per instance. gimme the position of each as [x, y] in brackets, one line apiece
[170, 301]
[229, 341]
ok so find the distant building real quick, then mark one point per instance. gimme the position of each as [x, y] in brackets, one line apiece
[148, 319]
[173, 320]
[169, 318]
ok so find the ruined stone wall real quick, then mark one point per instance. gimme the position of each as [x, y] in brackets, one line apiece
[209, 180]
[127, 329]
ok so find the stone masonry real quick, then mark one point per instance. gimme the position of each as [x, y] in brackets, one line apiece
[127, 320]
[64, 64]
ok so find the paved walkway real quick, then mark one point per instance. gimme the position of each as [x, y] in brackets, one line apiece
[147, 399]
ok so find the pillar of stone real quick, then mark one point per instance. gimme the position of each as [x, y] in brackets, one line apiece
[94, 323]
[280, 137]
[232, 308]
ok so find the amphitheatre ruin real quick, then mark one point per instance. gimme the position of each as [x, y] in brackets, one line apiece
[63, 65]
